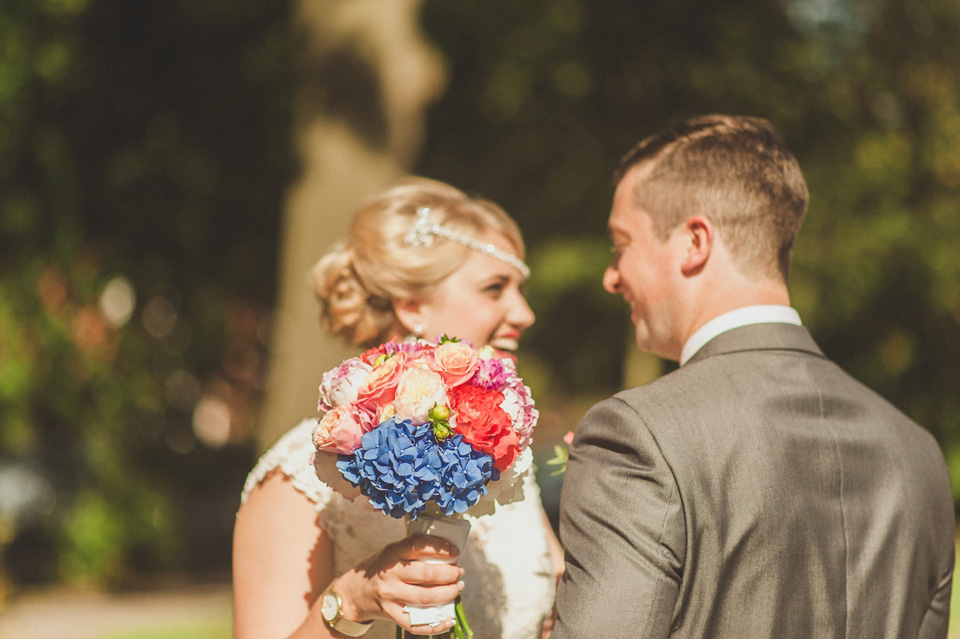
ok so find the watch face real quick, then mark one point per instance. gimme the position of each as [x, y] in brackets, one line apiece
[330, 606]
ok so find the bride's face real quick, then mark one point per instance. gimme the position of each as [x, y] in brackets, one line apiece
[482, 302]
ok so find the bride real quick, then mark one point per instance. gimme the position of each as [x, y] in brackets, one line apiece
[422, 260]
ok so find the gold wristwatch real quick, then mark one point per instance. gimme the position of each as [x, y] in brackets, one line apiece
[331, 607]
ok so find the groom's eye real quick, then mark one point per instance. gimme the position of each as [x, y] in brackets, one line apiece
[617, 251]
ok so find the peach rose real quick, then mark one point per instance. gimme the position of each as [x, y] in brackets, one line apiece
[455, 361]
[338, 431]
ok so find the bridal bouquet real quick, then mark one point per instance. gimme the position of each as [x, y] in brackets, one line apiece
[426, 431]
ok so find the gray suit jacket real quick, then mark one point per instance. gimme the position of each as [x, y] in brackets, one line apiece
[756, 492]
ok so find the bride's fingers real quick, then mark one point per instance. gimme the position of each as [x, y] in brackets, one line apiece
[402, 594]
[428, 574]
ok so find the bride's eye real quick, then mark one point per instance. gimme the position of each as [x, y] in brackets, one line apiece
[495, 289]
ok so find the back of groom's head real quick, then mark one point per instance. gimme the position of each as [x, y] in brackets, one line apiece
[733, 170]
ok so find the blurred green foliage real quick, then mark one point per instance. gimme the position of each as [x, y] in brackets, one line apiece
[143, 155]
[144, 151]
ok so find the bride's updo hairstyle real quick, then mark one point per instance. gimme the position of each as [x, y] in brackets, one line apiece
[357, 282]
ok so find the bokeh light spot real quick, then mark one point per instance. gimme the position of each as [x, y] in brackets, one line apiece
[117, 301]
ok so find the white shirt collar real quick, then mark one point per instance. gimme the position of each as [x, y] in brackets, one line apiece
[761, 314]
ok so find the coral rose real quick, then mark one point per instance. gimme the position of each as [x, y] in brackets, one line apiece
[381, 383]
[481, 421]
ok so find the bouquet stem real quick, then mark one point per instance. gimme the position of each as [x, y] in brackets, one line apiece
[461, 629]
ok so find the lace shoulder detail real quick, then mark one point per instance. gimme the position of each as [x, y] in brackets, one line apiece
[293, 456]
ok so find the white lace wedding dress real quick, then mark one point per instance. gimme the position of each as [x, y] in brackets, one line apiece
[509, 583]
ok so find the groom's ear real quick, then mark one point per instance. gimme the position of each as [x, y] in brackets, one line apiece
[699, 235]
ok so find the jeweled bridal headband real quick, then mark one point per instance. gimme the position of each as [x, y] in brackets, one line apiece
[423, 231]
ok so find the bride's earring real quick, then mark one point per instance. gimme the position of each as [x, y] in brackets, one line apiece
[417, 329]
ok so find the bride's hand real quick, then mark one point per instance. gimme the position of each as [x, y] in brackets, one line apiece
[400, 574]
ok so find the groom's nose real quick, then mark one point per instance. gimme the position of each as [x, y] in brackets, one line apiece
[611, 280]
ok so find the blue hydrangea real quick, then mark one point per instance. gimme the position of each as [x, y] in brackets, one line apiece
[400, 467]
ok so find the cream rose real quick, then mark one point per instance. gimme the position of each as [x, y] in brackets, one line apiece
[418, 390]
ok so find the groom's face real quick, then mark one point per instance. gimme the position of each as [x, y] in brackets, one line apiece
[643, 271]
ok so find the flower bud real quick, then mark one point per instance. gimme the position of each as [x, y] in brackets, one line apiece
[441, 430]
[439, 413]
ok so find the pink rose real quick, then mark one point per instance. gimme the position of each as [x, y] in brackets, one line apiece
[367, 414]
[518, 404]
[492, 373]
[381, 383]
[338, 431]
[455, 361]
[418, 390]
[340, 385]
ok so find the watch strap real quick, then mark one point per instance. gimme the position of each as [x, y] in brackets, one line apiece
[344, 625]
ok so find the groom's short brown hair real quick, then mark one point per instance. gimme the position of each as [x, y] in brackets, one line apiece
[736, 172]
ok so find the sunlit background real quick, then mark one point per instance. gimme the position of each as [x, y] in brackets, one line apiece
[169, 171]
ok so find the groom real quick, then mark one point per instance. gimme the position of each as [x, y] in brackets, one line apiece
[757, 491]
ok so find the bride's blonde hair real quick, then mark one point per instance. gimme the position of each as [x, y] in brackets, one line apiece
[357, 282]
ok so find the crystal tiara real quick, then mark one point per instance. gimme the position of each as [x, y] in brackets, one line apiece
[424, 230]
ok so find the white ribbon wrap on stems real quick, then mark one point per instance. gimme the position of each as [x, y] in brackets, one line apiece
[453, 530]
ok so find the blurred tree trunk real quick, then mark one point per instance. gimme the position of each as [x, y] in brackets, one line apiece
[366, 77]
